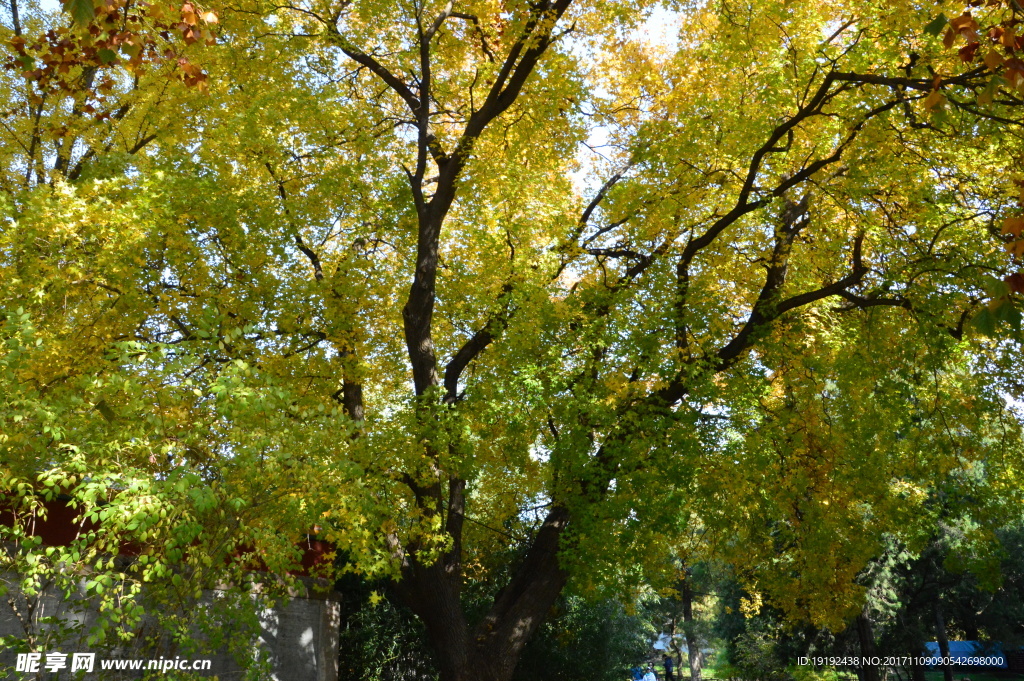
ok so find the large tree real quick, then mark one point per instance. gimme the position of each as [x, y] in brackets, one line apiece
[434, 275]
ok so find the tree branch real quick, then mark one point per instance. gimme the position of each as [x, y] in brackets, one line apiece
[417, 314]
[766, 310]
[391, 80]
[314, 259]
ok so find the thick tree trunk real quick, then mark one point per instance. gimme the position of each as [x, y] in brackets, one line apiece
[693, 651]
[867, 646]
[490, 650]
[432, 593]
[916, 668]
[940, 635]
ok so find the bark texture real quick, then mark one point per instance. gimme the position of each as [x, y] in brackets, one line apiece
[940, 635]
[693, 651]
[489, 649]
[866, 637]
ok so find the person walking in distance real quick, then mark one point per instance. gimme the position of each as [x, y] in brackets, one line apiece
[649, 676]
[670, 674]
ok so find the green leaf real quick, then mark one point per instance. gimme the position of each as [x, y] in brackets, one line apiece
[985, 322]
[103, 408]
[82, 11]
[989, 93]
[107, 56]
[996, 288]
[1014, 317]
[936, 25]
[132, 50]
[1007, 312]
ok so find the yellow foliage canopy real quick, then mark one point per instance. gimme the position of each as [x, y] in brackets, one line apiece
[437, 276]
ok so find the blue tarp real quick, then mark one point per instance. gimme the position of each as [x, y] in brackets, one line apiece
[966, 654]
